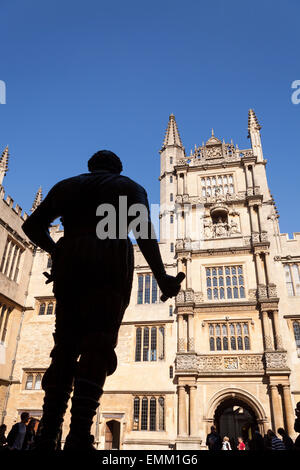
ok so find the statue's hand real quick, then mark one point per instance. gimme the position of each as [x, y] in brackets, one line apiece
[49, 277]
[170, 285]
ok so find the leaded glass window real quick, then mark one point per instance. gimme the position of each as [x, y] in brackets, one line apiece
[296, 326]
[148, 291]
[149, 343]
[231, 276]
[229, 336]
[292, 279]
[222, 183]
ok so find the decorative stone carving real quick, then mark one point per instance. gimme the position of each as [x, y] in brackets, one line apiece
[262, 291]
[249, 192]
[191, 344]
[186, 362]
[278, 341]
[189, 295]
[252, 294]
[276, 360]
[210, 362]
[198, 297]
[255, 237]
[181, 344]
[254, 362]
[219, 363]
[179, 244]
[272, 291]
[180, 297]
[264, 236]
[208, 228]
[231, 363]
[268, 342]
[214, 152]
[187, 244]
[220, 229]
[247, 240]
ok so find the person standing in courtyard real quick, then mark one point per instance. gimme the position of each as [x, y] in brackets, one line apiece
[213, 440]
[241, 444]
[16, 436]
[276, 443]
[92, 279]
[226, 444]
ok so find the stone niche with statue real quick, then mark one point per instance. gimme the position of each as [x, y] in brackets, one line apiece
[220, 222]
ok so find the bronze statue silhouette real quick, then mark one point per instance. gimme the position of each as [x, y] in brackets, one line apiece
[92, 280]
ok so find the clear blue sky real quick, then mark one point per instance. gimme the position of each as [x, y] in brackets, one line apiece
[85, 75]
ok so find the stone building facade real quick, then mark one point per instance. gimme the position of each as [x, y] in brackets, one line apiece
[225, 351]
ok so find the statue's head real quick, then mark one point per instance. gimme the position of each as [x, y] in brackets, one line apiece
[105, 160]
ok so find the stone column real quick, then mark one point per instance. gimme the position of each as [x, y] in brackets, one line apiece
[288, 408]
[182, 421]
[184, 183]
[178, 184]
[268, 268]
[266, 331]
[260, 218]
[191, 340]
[277, 335]
[254, 220]
[248, 178]
[253, 175]
[181, 176]
[186, 220]
[193, 407]
[189, 273]
[181, 339]
[259, 269]
[276, 408]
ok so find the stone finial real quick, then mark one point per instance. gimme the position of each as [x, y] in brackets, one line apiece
[4, 164]
[172, 136]
[253, 123]
[37, 200]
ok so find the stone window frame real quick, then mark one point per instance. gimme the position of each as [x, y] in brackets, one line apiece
[292, 282]
[5, 312]
[150, 348]
[146, 416]
[11, 259]
[46, 301]
[34, 373]
[239, 337]
[225, 286]
[217, 185]
[292, 319]
[152, 293]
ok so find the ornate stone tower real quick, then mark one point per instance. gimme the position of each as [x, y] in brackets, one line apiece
[230, 352]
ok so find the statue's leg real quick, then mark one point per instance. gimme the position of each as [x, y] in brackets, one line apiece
[57, 384]
[88, 388]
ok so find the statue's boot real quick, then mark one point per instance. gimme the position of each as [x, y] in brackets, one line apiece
[85, 402]
[54, 408]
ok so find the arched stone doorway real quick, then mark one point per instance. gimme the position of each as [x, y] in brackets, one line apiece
[112, 435]
[235, 418]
